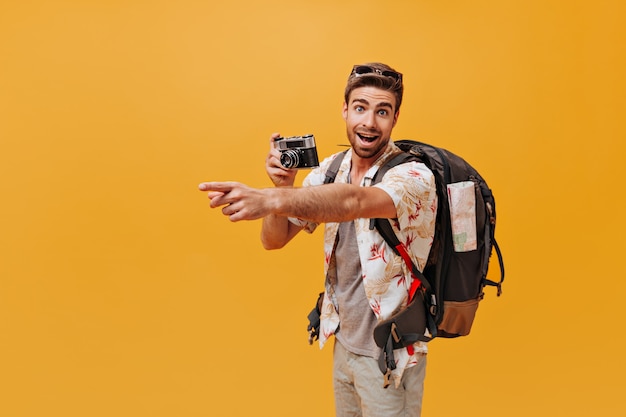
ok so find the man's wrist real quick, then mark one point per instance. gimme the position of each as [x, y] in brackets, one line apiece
[273, 200]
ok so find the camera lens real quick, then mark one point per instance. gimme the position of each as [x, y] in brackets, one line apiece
[290, 158]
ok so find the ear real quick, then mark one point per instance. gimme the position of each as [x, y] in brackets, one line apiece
[395, 118]
[345, 111]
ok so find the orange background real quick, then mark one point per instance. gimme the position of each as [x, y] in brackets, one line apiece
[123, 294]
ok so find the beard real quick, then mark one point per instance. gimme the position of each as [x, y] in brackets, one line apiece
[368, 152]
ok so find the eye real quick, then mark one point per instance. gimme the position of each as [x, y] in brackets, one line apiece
[359, 109]
[383, 112]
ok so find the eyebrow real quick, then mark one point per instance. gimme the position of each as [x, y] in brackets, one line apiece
[381, 104]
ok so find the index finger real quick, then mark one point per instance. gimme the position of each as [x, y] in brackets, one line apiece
[216, 186]
[273, 138]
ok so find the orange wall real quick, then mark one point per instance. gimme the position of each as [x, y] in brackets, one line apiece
[123, 294]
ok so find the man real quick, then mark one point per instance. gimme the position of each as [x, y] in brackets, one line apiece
[365, 281]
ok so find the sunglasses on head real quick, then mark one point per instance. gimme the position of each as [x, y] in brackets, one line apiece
[366, 69]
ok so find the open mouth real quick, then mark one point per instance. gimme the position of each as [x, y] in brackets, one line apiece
[367, 138]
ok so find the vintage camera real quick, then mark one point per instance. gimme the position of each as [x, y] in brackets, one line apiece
[297, 151]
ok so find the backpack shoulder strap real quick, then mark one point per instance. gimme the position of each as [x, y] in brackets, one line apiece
[333, 169]
[397, 159]
[419, 280]
[384, 228]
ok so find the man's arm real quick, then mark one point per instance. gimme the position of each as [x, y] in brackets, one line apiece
[323, 203]
[327, 203]
[277, 231]
[335, 202]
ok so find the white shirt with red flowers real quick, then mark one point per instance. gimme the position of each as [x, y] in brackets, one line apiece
[386, 278]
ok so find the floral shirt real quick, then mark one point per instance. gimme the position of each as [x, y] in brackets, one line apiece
[386, 278]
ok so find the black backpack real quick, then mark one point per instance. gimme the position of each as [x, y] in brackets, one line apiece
[452, 282]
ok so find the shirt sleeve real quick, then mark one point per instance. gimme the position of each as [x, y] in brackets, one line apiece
[412, 188]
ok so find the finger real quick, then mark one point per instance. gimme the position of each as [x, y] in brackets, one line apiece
[235, 215]
[272, 154]
[228, 210]
[273, 138]
[223, 187]
[214, 194]
[219, 199]
[273, 158]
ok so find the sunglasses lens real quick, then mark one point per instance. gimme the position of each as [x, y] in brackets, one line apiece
[391, 74]
[363, 69]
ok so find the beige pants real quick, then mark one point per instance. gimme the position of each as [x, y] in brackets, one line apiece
[359, 392]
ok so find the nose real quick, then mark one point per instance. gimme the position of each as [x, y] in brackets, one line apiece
[369, 120]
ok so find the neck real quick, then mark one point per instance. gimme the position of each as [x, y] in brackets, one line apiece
[358, 169]
[359, 166]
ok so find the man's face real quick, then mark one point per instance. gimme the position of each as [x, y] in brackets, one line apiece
[370, 116]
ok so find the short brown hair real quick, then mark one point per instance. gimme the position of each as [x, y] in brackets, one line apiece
[376, 79]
